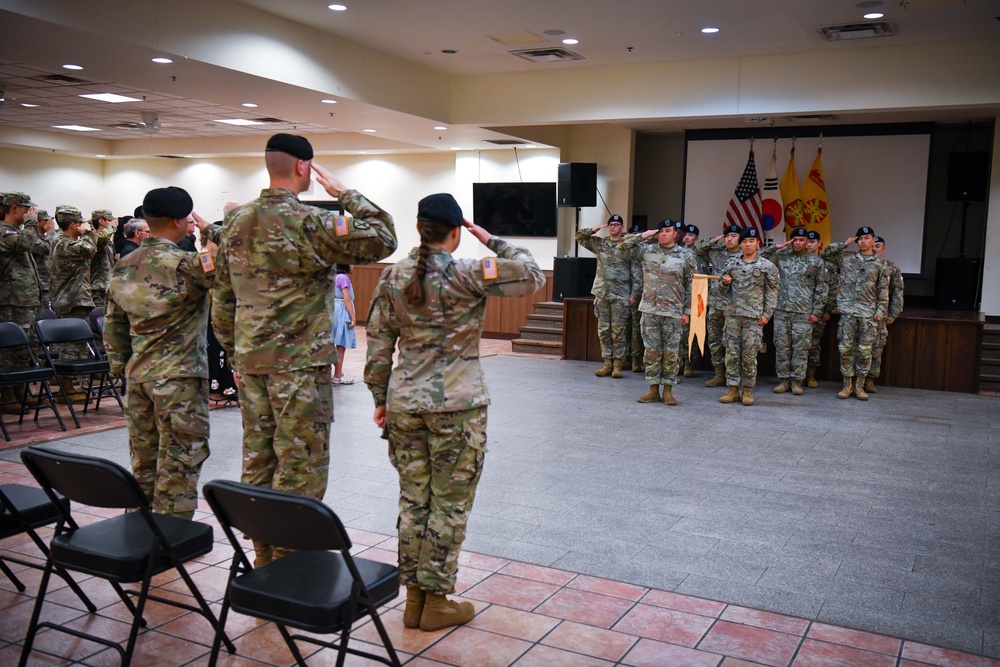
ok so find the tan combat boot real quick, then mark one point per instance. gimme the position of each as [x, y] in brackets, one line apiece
[797, 388]
[848, 388]
[747, 396]
[719, 379]
[605, 370]
[650, 396]
[414, 607]
[668, 395]
[616, 368]
[811, 378]
[440, 612]
[859, 388]
[263, 554]
[870, 385]
[782, 387]
[731, 396]
[636, 364]
[688, 371]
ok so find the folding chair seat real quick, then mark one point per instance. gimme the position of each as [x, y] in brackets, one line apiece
[12, 336]
[75, 330]
[22, 510]
[132, 547]
[319, 588]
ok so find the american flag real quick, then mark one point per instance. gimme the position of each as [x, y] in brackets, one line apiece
[745, 206]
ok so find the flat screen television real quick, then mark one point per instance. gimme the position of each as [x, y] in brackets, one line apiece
[515, 209]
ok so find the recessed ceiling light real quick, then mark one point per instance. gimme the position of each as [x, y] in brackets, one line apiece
[162, 61]
[110, 97]
[328, 101]
[75, 128]
[99, 155]
[187, 156]
[250, 105]
[528, 146]
[440, 127]
[338, 8]
[30, 106]
[874, 15]
[72, 67]
[238, 121]
[362, 152]
[571, 41]
[456, 148]
[711, 30]
[369, 130]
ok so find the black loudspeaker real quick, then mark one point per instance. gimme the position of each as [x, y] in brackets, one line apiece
[572, 277]
[577, 184]
[956, 283]
[968, 174]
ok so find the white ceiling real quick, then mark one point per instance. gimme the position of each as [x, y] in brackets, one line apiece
[190, 95]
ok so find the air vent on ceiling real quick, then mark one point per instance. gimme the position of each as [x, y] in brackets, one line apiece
[171, 157]
[271, 120]
[549, 55]
[812, 118]
[858, 30]
[59, 78]
[506, 142]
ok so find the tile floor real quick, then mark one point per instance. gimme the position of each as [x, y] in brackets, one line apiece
[526, 614]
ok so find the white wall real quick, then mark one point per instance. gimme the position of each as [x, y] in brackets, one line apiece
[54, 179]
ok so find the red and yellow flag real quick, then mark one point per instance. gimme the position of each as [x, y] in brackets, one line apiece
[699, 308]
[815, 209]
[790, 195]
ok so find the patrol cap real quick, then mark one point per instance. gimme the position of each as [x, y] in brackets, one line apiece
[42, 214]
[17, 199]
[170, 202]
[862, 231]
[440, 207]
[691, 229]
[616, 218]
[292, 144]
[749, 233]
[102, 213]
[732, 229]
[66, 215]
[812, 235]
[799, 231]
[666, 222]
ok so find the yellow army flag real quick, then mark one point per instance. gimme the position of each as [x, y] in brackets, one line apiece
[790, 195]
[699, 308]
[815, 209]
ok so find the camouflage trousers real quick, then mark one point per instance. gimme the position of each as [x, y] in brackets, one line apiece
[715, 330]
[817, 341]
[286, 429]
[439, 457]
[857, 339]
[99, 295]
[743, 339]
[612, 320]
[634, 332]
[71, 351]
[168, 440]
[880, 341]
[660, 335]
[792, 338]
[24, 317]
[682, 349]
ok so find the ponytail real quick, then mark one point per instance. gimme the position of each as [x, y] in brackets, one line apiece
[430, 232]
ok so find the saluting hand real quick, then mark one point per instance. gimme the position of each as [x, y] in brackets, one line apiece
[477, 231]
[333, 185]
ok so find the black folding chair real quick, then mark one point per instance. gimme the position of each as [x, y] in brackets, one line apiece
[12, 336]
[132, 547]
[75, 330]
[22, 510]
[97, 321]
[320, 588]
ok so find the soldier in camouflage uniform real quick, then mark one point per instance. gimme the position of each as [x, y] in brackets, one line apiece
[615, 289]
[104, 258]
[19, 290]
[716, 253]
[688, 235]
[633, 331]
[156, 333]
[433, 404]
[667, 270]
[801, 297]
[269, 314]
[895, 279]
[752, 284]
[863, 301]
[42, 252]
[814, 245]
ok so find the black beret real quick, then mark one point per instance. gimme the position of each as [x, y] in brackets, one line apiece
[635, 229]
[666, 222]
[442, 208]
[879, 239]
[172, 202]
[292, 144]
[749, 233]
[679, 225]
[862, 231]
[812, 235]
[616, 218]
[692, 229]
[799, 231]
[731, 229]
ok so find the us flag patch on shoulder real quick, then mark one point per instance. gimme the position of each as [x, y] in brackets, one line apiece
[207, 263]
[489, 268]
[340, 227]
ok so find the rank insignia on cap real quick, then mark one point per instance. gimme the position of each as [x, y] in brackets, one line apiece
[207, 263]
[340, 226]
[489, 268]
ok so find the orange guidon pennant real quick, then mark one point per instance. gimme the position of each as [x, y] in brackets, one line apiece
[699, 304]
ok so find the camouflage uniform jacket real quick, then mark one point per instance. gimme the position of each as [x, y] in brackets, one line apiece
[70, 283]
[42, 251]
[18, 279]
[754, 289]
[438, 367]
[101, 264]
[666, 277]
[832, 282]
[864, 288]
[715, 257]
[156, 323]
[618, 277]
[802, 281]
[895, 279]
[269, 304]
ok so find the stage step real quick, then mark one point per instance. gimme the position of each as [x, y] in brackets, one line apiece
[989, 360]
[543, 334]
[546, 321]
[536, 347]
[546, 333]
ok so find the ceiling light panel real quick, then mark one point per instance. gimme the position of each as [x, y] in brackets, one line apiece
[110, 97]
